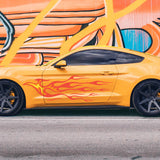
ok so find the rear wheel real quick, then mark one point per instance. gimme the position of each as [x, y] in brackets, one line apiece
[11, 98]
[146, 98]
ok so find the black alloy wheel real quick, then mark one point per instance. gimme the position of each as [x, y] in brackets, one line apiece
[11, 98]
[146, 98]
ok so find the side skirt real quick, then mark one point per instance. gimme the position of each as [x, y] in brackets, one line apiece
[83, 107]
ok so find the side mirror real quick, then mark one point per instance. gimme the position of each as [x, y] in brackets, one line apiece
[60, 64]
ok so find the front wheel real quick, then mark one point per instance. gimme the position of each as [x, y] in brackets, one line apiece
[11, 98]
[146, 98]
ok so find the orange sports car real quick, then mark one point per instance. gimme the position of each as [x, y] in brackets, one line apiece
[89, 76]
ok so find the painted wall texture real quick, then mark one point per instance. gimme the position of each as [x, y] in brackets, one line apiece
[34, 32]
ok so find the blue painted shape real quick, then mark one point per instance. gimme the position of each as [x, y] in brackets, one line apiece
[136, 39]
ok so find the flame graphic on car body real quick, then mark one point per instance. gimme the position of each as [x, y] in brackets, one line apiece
[69, 88]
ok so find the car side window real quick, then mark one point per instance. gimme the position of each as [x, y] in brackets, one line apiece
[101, 57]
[123, 58]
[91, 57]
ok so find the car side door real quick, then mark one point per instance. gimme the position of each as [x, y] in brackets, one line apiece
[89, 77]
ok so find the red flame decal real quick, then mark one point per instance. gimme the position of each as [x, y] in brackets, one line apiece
[57, 88]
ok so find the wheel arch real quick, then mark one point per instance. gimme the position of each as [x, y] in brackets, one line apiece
[131, 102]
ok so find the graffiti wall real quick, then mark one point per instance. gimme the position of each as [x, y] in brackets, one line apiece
[34, 32]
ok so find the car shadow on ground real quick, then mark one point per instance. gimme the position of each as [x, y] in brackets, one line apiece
[79, 112]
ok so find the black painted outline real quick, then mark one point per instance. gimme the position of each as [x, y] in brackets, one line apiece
[10, 32]
[114, 38]
[93, 40]
[59, 17]
[3, 38]
[157, 23]
[120, 34]
[42, 59]
[49, 56]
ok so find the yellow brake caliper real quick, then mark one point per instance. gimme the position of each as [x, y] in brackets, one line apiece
[12, 94]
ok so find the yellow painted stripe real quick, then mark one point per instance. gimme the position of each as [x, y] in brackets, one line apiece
[56, 39]
[42, 42]
[47, 45]
[118, 37]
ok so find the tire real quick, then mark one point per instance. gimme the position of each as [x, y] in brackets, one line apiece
[11, 98]
[146, 98]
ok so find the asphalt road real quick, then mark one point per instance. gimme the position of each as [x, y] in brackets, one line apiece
[79, 135]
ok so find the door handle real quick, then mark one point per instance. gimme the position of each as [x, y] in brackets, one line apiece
[108, 73]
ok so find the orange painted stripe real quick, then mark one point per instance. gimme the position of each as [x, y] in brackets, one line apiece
[155, 34]
[44, 31]
[54, 21]
[2, 41]
[49, 58]
[23, 6]
[26, 59]
[49, 55]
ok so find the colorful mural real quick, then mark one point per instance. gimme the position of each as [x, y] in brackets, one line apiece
[34, 32]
